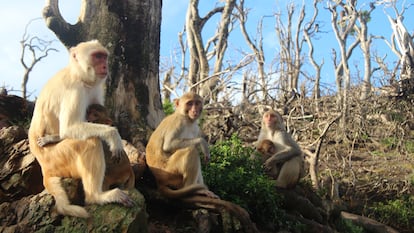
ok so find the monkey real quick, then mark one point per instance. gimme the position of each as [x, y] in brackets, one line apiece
[172, 154]
[174, 160]
[60, 109]
[118, 171]
[287, 150]
[267, 148]
[97, 113]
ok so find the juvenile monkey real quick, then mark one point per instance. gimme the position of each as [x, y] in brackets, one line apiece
[60, 110]
[172, 154]
[118, 171]
[97, 113]
[287, 152]
[267, 148]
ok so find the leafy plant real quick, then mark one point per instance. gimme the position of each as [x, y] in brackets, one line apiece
[235, 177]
[168, 107]
[399, 212]
[347, 226]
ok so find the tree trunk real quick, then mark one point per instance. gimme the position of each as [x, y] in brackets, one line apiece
[131, 32]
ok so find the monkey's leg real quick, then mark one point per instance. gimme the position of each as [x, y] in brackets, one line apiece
[91, 164]
[54, 187]
[59, 161]
[289, 174]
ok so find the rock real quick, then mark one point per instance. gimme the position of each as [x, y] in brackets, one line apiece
[20, 173]
[36, 213]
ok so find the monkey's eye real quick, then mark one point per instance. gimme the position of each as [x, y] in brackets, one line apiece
[100, 55]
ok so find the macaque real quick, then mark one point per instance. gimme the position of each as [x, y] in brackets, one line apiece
[288, 152]
[172, 154]
[118, 171]
[267, 148]
[61, 110]
[97, 113]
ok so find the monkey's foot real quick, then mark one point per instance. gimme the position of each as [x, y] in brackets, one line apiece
[125, 200]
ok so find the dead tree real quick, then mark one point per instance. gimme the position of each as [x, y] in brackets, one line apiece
[37, 48]
[404, 51]
[342, 27]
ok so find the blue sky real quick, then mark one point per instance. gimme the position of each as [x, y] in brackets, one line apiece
[16, 14]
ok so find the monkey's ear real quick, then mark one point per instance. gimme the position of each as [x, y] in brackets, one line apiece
[176, 102]
[73, 53]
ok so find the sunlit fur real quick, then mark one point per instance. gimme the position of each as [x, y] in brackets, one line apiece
[60, 110]
[172, 154]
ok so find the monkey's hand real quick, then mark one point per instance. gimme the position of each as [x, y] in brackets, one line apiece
[47, 139]
[269, 165]
[115, 143]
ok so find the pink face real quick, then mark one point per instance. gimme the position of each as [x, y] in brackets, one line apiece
[270, 119]
[193, 108]
[100, 63]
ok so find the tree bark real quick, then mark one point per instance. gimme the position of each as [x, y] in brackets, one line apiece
[131, 32]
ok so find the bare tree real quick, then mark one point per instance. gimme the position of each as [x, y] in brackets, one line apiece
[37, 49]
[405, 49]
[310, 29]
[343, 27]
[256, 48]
[199, 68]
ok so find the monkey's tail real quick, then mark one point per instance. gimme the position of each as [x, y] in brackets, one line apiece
[217, 205]
[54, 187]
[179, 193]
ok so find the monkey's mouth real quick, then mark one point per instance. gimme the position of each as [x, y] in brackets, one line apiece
[193, 115]
[102, 75]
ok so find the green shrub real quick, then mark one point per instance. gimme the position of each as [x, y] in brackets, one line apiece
[346, 226]
[235, 177]
[399, 212]
[168, 107]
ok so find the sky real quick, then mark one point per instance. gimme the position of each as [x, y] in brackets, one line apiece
[15, 15]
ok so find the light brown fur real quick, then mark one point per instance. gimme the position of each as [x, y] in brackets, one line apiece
[172, 153]
[60, 110]
[287, 150]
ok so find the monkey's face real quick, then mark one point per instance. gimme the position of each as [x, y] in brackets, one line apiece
[270, 120]
[99, 60]
[194, 108]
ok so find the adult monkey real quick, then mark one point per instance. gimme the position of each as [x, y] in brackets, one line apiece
[288, 151]
[172, 153]
[61, 109]
[174, 160]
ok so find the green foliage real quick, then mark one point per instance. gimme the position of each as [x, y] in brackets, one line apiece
[235, 177]
[409, 146]
[390, 142]
[168, 107]
[346, 226]
[399, 212]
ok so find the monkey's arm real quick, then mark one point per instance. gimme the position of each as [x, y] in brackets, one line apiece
[291, 149]
[172, 142]
[48, 139]
[73, 125]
